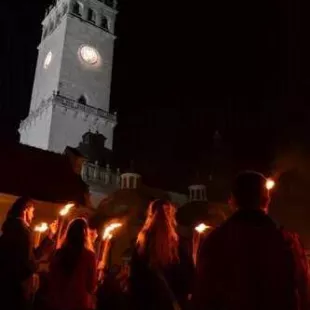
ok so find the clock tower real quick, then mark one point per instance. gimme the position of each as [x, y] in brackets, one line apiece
[71, 91]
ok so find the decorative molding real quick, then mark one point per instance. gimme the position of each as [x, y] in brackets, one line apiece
[93, 173]
[33, 115]
[60, 100]
[66, 104]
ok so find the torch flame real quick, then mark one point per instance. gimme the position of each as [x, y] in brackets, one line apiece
[66, 209]
[107, 235]
[41, 228]
[202, 227]
[270, 184]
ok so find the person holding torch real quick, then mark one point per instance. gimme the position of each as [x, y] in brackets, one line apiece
[18, 256]
[250, 262]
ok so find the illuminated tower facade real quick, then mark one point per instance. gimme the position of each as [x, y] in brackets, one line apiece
[71, 91]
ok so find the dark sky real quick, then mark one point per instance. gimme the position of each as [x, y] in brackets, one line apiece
[183, 70]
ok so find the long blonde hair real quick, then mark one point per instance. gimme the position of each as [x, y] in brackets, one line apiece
[158, 235]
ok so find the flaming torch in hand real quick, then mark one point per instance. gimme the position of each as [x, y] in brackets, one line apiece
[38, 230]
[106, 245]
[199, 229]
[62, 213]
[202, 228]
[270, 184]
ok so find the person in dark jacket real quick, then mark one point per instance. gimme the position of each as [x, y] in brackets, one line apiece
[18, 258]
[250, 263]
[161, 269]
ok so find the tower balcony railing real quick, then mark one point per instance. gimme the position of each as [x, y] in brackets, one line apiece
[93, 173]
[75, 105]
[69, 103]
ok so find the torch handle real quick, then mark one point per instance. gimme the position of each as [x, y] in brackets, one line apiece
[37, 237]
[196, 244]
[106, 244]
[59, 231]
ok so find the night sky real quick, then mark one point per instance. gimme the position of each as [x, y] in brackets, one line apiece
[183, 70]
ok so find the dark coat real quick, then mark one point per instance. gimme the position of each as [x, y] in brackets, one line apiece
[148, 291]
[18, 262]
[246, 264]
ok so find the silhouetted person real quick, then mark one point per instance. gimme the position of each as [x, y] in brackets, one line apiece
[18, 258]
[161, 270]
[72, 277]
[249, 263]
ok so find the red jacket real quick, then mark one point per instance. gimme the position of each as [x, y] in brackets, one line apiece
[250, 264]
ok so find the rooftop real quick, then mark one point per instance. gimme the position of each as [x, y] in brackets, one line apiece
[40, 174]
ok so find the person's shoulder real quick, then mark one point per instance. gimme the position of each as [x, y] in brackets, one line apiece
[212, 239]
[89, 254]
[292, 238]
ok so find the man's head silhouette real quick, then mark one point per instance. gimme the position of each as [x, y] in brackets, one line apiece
[250, 192]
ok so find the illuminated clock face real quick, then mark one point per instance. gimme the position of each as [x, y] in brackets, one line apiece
[48, 60]
[89, 54]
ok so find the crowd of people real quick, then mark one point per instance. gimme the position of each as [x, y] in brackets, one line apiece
[247, 263]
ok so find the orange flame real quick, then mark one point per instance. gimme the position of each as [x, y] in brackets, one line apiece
[43, 227]
[108, 232]
[202, 227]
[66, 209]
[270, 184]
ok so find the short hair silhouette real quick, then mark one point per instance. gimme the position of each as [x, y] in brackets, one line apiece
[249, 190]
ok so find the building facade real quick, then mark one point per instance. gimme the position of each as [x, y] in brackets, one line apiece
[71, 91]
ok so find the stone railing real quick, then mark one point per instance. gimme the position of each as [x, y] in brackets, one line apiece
[73, 104]
[45, 104]
[67, 103]
[97, 174]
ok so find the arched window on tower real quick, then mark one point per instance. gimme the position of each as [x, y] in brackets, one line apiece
[110, 3]
[91, 16]
[44, 34]
[58, 18]
[51, 27]
[77, 8]
[82, 100]
[104, 23]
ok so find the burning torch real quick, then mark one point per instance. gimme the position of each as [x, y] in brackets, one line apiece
[270, 184]
[106, 245]
[61, 220]
[38, 230]
[199, 229]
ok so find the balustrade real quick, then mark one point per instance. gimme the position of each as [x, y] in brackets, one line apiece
[96, 174]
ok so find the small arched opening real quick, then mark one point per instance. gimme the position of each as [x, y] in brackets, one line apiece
[51, 27]
[104, 23]
[91, 16]
[44, 34]
[77, 8]
[82, 100]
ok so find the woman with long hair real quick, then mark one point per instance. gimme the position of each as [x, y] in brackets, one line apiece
[161, 270]
[72, 277]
